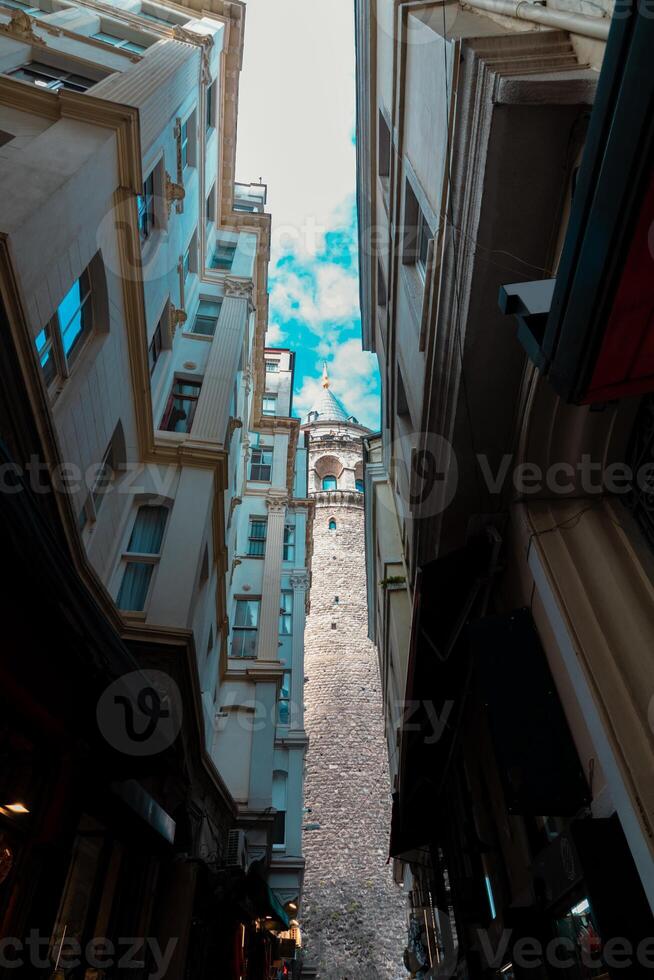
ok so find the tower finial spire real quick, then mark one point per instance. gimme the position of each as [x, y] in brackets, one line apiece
[325, 375]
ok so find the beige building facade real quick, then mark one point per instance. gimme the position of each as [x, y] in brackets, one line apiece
[147, 425]
[490, 505]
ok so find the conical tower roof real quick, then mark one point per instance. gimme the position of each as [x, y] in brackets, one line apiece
[327, 407]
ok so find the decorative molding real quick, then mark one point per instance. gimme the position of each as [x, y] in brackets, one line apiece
[175, 194]
[276, 502]
[299, 580]
[235, 501]
[20, 28]
[177, 133]
[238, 288]
[233, 425]
[176, 318]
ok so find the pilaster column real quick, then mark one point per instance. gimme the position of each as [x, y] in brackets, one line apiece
[212, 414]
[299, 584]
[268, 647]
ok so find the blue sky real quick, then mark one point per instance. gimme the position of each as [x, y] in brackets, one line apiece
[296, 131]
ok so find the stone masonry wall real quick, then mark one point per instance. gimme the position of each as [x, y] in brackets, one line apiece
[354, 918]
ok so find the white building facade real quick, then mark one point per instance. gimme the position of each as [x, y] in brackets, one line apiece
[133, 270]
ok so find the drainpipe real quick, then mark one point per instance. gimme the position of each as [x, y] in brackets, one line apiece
[596, 27]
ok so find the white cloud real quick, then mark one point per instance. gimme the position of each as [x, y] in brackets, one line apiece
[296, 113]
[329, 293]
[275, 336]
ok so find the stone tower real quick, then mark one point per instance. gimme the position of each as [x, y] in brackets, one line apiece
[354, 919]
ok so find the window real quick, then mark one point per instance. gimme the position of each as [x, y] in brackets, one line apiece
[279, 804]
[119, 42]
[146, 213]
[284, 701]
[272, 367]
[382, 298]
[211, 205]
[46, 355]
[19, 5]
[257, 537]
[187, 141]
[286, 613]
[154, 350]
[359, 485]
[45, 76]
[417, 233]
[246, 625]
[113, 460]
[181, 406]
[141, 557]
[329, 483]
[261, 464]
[211, 96]
[60, 341]
[269, 404]
[289, 542]
[206, 318]
[384, 151]
[424, 234]
[74, 316]
[223, 256]
[332, 524]
[184, 142]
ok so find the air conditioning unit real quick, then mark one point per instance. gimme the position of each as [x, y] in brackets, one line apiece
[237, 850]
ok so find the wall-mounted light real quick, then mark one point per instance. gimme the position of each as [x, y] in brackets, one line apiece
[14, 808]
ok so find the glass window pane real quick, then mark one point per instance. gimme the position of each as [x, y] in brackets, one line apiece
[134, 587]
[244, 644]
[329, 483]
[148, 530]
[247, 613]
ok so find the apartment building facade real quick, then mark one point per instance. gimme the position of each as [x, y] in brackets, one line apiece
[509, 576]
[134, 306]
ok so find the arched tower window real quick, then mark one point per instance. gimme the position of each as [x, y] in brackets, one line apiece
[329, 482]
[358, 485]
[332, 524]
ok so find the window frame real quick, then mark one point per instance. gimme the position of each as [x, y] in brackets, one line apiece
[216, 301]
[256, 541]
[286, 612]
[240, 630]
[210, 107]
[57, 78]
[325, 478]
[289, 542]
[155, 346]
[271, 398]
[146, 211]
[230, 247]
[173, 396]
[261, 450]
[123, 43]
[53, 348]
[285, 686]
[150, 558]
[272, 365]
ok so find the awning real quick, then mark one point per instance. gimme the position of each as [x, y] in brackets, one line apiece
[447, 593]
[262, 901]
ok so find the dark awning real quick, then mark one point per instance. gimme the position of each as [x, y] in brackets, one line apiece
[446, 594]
[591, 330]
[537, 758]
